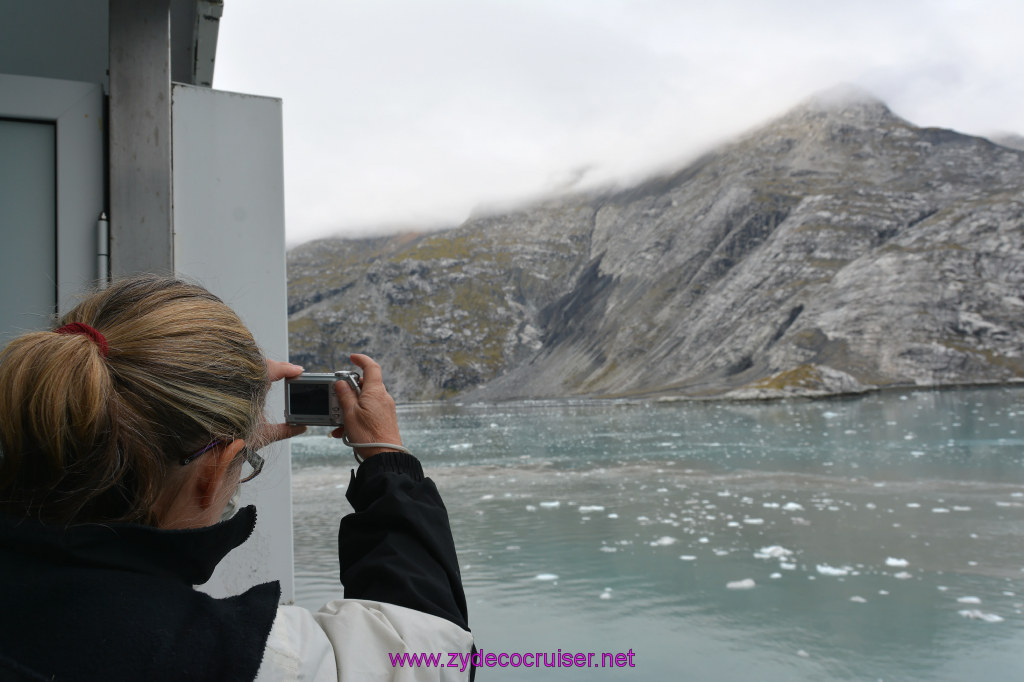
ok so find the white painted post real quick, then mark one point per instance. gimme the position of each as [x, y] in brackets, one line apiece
[229, 235]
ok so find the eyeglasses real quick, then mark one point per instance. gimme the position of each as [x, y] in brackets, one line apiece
[253, 460]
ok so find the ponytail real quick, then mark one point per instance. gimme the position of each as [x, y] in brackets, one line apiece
[92, 426]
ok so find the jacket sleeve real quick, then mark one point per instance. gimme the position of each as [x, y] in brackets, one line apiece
[352, 639]
[397, 547]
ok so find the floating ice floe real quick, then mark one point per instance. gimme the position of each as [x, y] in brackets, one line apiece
[974, 614]
[858, 600]
[551, 505]
[546, 576]
[747, 584]
[487, 497]
[754, 522]
[613, 515]
[773, 552]
[687, 557]
[705, 541]
[968, 600]
[606, 548]
[802, 654]
[825, 569]
[664, 541]
[607, 594]
[792, 506]
[896, 563]
[940, 510]
[775, 576]
[902, 575]
[585, 509]
[785, 566]
[531, 507]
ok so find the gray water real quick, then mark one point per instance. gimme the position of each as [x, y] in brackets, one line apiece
[873, 538]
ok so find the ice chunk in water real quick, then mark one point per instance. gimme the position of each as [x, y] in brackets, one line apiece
[773, 552]
[858, 600]
[551, 505]
[590, 508]
[825, 569]
[688, 557]
[896, 563]
[546, 576]
[968, 600]
[664, 541]
[974, 614]
[747, 584]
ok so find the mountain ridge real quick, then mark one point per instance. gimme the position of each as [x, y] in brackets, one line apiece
[836, 249]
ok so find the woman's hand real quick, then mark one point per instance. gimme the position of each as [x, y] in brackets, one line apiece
[275, 432]
[370, 415]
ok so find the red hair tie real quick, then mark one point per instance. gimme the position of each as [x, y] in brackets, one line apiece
[85, 330]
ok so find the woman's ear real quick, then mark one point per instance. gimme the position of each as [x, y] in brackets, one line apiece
[215, 482]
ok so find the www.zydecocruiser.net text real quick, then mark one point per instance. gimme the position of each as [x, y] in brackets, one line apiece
[529, 659]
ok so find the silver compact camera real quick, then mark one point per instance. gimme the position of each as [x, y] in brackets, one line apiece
[310, 398]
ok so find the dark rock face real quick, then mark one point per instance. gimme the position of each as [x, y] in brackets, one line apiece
[837, 249]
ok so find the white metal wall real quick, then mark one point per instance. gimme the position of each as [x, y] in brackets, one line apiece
[229, 235]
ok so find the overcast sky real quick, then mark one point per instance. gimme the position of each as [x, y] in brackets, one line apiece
[412, 113]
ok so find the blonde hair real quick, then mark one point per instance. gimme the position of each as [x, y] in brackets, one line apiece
[87, 438]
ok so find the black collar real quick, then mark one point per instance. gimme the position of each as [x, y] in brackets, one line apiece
[189, 555]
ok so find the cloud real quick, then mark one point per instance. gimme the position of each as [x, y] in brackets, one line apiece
[401, 113]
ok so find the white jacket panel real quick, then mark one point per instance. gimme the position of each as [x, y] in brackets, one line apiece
[348, 640]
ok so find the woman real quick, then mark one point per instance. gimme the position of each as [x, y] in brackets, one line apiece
[123, 435]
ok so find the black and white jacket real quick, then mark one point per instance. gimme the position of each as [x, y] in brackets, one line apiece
[116, 601]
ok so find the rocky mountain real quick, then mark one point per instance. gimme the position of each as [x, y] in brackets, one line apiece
[837, 249]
